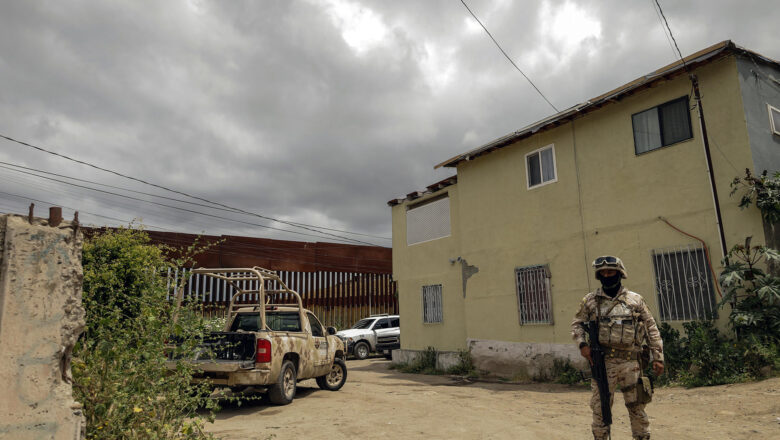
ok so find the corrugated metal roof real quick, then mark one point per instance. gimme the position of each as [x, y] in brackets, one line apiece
[677, 68]
[429, 189]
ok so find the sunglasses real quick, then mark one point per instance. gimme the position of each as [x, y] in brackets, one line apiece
[603, 261]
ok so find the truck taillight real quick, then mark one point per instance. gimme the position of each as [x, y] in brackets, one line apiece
[263, 353]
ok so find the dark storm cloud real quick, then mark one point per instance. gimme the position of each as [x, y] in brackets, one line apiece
[311, 111]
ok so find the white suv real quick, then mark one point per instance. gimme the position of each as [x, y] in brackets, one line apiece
[378, 333]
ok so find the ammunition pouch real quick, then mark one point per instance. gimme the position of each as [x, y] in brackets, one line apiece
[644, 390]
[617, 332]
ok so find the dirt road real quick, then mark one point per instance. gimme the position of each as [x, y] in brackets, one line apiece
[378, 403]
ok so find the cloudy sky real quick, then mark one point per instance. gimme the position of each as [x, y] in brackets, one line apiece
[312, 111]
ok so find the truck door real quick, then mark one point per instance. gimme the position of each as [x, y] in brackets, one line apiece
[320, 352]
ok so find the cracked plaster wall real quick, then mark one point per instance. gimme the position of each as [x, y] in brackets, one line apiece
[41, 317]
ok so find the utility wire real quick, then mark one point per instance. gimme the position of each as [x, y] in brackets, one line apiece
[297, 225]
[660, 20]
[508, 58]
[169, 198]
[168, 206]
[671, 35]
[74, 209]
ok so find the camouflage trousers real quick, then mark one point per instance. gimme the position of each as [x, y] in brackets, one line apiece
[626, 374]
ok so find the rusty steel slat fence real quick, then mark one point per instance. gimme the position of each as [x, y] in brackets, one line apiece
[338, 298]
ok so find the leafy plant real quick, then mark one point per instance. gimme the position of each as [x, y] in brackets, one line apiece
[425, 363]
[119, 363]
[563, 372]
[763, 190]
[465, 365]
[753, 294]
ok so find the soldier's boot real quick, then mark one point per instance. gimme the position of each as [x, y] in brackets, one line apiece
[601, 435]
[642, 437]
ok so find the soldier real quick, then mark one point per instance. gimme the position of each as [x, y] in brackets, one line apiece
[625, 327]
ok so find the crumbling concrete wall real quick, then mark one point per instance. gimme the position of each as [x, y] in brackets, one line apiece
[41, 317]
[522, 360]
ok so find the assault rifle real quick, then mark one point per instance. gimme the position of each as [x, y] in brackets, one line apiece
[599, 370]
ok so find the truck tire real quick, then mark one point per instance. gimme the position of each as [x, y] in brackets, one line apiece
[334, 380]
[283, 391]
[361, 350]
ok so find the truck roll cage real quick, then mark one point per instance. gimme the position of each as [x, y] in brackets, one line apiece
[257, 277]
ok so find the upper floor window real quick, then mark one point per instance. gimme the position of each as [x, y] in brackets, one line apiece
[540, 166]
[428, 220]
[663, 125]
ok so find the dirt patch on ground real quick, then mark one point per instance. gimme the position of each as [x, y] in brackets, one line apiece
[380, 403]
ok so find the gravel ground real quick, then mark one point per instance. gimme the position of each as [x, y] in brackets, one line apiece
[380, 403]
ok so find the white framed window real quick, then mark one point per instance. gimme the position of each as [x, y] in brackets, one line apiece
[662, 125]
[428, 220]
[774, 119]
[683, 283]
[534, 303]
[432, 304]
[540, 166]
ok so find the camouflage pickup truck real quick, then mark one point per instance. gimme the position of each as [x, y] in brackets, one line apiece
[268, 345]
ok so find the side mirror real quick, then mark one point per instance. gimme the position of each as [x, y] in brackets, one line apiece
[331, 330]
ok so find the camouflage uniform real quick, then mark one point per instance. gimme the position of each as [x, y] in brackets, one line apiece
[622, 342]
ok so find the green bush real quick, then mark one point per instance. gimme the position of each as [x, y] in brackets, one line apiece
[119, 370]
[425, 363]
[563, 372]
[465, 365]
[705, 357]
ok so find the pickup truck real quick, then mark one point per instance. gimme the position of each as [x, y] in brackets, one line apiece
[267, 346]
[378, 333]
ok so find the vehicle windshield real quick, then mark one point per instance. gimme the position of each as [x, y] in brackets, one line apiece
[363, 324]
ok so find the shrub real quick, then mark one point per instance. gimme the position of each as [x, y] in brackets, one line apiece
[425, 363]
[465, 365]
[564, 373]
[119, 368]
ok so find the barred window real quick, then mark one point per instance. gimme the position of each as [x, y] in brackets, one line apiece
[533, 294]
[432, 307]
[428, 221]
[683, 284]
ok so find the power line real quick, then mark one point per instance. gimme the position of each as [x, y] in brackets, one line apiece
[171, 198]
[297, 225]
[74, 209]
[171, 206]
[508, 58]
[657, 14]
[671, 35]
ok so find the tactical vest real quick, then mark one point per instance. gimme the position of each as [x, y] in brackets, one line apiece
[617, 325]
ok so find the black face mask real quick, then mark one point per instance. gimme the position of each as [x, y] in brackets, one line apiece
[610, 285]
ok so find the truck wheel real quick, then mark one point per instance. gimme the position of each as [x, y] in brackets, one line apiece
[362, 350]
[334, 380]
[283, 391]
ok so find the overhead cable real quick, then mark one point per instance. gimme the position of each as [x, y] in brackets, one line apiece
[297, 225]
[508, 58]
[172, 198]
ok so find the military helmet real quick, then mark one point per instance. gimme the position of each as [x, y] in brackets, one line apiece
[609, 262]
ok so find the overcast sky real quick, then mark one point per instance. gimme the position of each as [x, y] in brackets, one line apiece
[315, 112]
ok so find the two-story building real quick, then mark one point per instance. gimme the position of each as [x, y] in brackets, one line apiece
[496, 259]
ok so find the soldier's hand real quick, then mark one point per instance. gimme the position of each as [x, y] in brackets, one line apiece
[585, 352]
[658, 368]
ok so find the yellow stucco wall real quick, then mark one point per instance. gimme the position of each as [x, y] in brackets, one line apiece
[607, 200]
[423, 264]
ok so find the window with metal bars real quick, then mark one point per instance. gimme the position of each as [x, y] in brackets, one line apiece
[534, 304]
[432, 304]
[683, 283]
